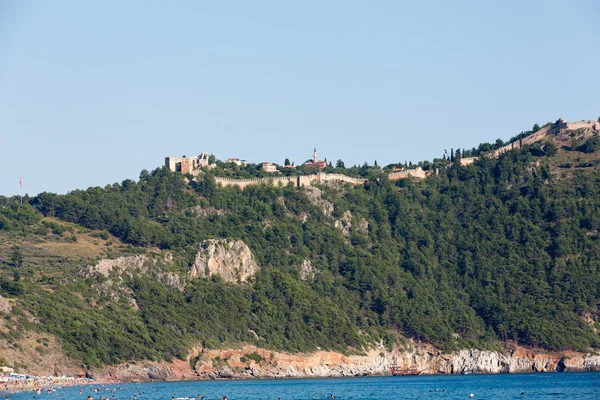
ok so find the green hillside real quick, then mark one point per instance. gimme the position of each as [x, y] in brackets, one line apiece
[505, 249]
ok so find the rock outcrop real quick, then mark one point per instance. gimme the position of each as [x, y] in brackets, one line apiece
[147, 371]
[232, 260]
[345, 223]
[416, 359]
[5, 306]
[306, 271]
[138, 264]
[475, 361]
[579, 363]
[315, 196]
[133, 265]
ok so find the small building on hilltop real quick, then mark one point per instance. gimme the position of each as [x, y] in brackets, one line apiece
[236, 161]
[268, 167]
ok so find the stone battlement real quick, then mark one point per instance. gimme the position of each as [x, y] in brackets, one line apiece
[468, 160]
[572, 126]
[419, 173]
[560, 125]
[296, 181]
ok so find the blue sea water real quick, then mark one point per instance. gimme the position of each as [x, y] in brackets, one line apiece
[533, 386]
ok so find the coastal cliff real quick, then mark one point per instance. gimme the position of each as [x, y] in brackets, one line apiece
[500, 253]
[249, 362]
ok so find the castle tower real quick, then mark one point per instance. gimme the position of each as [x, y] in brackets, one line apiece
[315, 155]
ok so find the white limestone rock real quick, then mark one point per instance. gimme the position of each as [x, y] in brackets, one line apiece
[232, 260]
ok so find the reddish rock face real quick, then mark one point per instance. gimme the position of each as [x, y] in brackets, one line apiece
[251, 361]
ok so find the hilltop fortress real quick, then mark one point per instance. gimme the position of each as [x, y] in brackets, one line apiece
[188, 165]
[194, 165]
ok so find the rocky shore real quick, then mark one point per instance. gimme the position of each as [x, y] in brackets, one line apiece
[252, 362]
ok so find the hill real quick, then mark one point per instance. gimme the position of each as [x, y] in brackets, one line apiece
[499, 253]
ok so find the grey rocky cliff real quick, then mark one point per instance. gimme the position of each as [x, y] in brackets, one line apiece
[232, 260]
[476, 361]
[315, 196]
[139, 264]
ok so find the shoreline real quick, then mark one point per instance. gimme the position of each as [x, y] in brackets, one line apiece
[62, 382]
[30, 383]
[235, 363]
[249, 362]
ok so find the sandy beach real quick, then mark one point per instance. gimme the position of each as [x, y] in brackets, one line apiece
[10, 383]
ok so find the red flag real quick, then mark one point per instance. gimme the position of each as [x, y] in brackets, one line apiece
[21, 183]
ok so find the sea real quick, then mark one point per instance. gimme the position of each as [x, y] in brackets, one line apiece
[506, 386]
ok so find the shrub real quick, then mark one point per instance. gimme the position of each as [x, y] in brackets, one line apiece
[254, 356]
[591, 145]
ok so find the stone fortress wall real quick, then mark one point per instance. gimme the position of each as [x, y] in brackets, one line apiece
[296, 181]
[419, 173]
[193, 164]
[468, 160]
[536, 137]
[571, 126]
[560, 125]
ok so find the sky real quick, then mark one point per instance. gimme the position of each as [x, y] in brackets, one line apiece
[93, 92]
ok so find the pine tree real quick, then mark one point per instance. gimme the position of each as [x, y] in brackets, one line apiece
[16, 257]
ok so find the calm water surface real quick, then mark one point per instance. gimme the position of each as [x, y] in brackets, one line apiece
[534, 386]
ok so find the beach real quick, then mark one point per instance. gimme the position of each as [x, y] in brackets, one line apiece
[10, 383]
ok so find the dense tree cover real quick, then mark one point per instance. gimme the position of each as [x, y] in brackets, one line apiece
[489, 252]
[14, 216]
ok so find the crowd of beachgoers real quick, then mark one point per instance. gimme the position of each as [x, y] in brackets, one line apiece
[17, 382]
[102, 389]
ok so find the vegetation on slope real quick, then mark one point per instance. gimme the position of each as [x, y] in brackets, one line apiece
[501, 250]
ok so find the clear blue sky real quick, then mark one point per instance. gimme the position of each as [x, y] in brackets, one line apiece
[92, 92]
